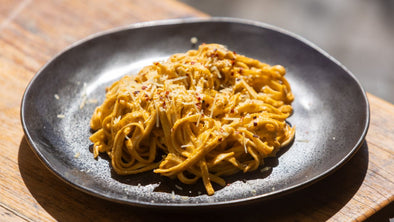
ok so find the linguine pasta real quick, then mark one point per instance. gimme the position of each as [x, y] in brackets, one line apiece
[203, 114]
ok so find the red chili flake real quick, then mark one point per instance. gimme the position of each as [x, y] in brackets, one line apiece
[232, 73]
[207, 105]
[215, 50]
[254, 123]
[164, 105]
[187, 74]
[255, 136]
[234, 52]
[192, 62]
[156, 63]
[136, 92]
[220, 139]
[232, 111]
[202, 114]
[237, 79]
[254, 117]
[241, 70]
[143, 87]
[198, 98]
[232, 62]
[167, 92]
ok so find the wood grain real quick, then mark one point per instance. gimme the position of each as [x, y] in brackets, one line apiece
[33, 31]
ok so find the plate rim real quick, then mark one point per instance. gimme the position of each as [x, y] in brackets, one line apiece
[235, 202]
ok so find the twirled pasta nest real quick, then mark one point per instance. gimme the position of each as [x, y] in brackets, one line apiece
[203, 114]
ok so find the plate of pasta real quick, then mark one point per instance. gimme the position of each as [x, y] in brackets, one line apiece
[194, 113]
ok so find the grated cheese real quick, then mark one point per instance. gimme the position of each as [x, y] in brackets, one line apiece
[117, 119]
[213, 105]
[147, 119]
[188, 104]
[231, 119]
[82, 103]
[198, 120]
[199, 111]
[254, 192]
[250, 90]
[265, 169]
[83, 96]
[199, 89]
[92, 101]
[158, 84]
[178, 78]
[193, 40]
[244, 141]
[216, 70]
[157, 116]
[178, 187]
[60, 116]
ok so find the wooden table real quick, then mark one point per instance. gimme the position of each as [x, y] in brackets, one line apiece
[32, 31]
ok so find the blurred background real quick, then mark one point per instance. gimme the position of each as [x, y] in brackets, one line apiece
[358, 33]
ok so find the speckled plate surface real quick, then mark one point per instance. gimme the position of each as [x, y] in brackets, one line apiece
[331, 111]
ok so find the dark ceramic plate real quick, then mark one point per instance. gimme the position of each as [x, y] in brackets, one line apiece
[331, 111]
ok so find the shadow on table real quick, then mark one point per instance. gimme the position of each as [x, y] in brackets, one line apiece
[317, 202]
